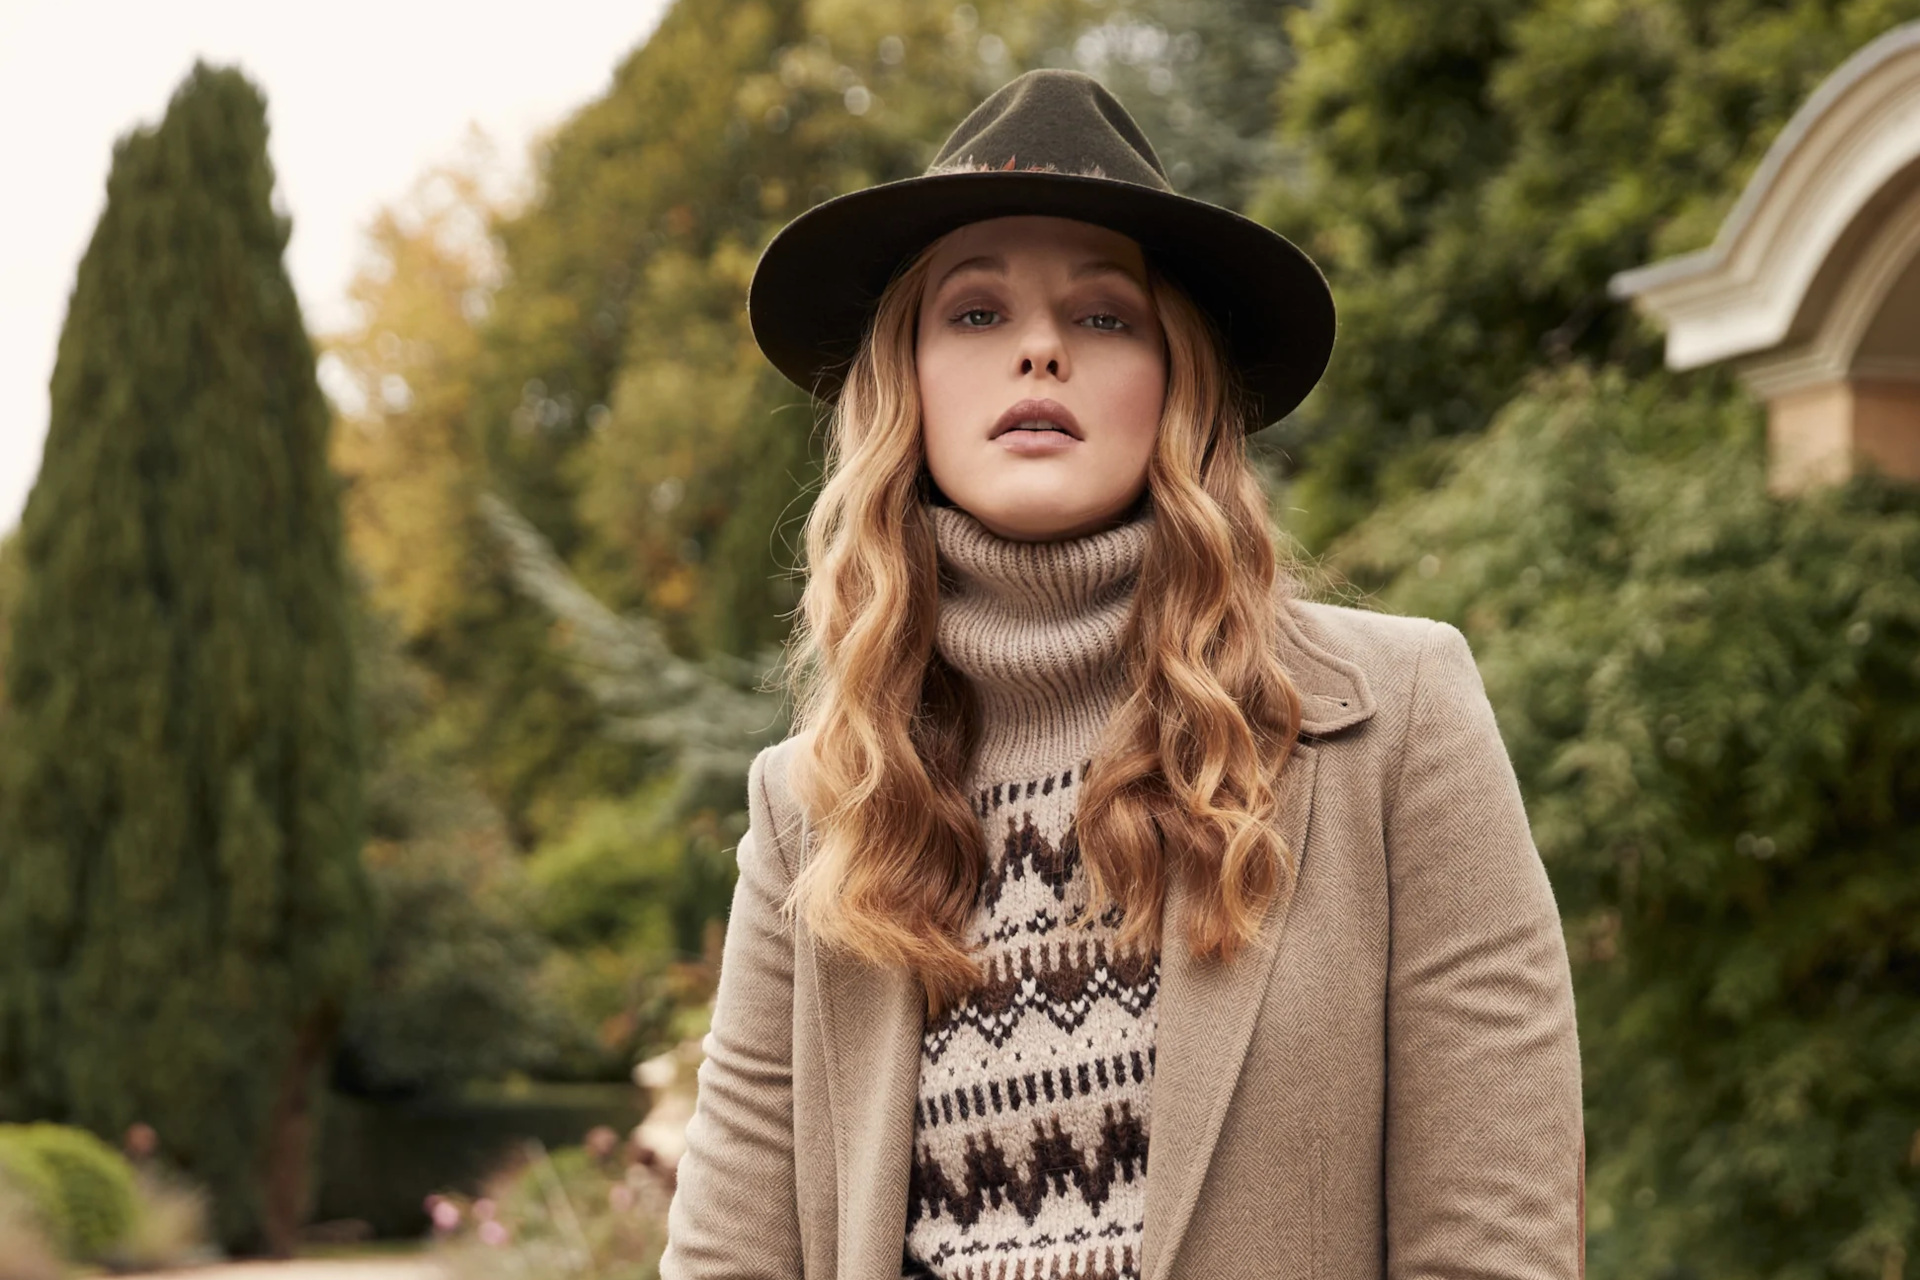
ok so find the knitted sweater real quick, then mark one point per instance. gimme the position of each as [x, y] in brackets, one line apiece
[1030, 1142]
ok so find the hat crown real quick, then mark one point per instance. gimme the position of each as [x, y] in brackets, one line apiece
[1053, 120]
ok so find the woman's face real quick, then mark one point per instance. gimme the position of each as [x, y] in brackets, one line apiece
[1026, 319]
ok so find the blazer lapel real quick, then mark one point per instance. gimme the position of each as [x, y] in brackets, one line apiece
[871, 1022]
[1205, 1021]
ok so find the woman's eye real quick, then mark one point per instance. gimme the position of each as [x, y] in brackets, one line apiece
[984, 317]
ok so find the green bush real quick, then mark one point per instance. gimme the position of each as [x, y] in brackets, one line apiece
[633, 896]
[94, 1205]
[32, 1181]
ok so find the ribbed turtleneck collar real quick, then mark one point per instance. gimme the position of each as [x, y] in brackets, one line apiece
[1036, 629]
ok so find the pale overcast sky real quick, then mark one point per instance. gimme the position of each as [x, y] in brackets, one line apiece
[362, 95]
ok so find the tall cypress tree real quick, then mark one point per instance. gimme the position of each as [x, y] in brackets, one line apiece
[182, 907]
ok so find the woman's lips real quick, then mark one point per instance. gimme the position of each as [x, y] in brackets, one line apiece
[1038, 412]
[1030, 443]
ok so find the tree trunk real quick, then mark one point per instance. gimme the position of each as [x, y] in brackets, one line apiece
[290, 1137]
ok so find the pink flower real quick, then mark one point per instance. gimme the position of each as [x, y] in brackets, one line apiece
[446, 1215]
[493, 1233]
[620, 1196]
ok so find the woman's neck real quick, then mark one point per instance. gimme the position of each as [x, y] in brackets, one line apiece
[1036, 629]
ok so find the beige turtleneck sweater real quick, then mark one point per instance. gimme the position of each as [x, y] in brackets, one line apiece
[1030, 1143]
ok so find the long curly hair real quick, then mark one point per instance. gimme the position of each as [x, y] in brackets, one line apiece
[1185, 781]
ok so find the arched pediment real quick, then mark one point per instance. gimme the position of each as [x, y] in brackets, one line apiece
[1835, 187]
[1812, 287]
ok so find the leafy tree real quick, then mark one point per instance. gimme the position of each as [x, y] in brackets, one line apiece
[642, 167]
[635, 896]
[464, 612]
[1471, 175]
[1203, 78]
[403, 376]
[1713, 702]
[182, 906]
[454, 992]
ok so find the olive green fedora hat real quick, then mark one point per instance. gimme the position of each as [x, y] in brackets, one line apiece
[1052, 142]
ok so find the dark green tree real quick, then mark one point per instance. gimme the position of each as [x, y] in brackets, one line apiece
[182, 904]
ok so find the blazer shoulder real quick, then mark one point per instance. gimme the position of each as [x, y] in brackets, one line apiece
[1365, 636]
[771, 804]
[1381, 652]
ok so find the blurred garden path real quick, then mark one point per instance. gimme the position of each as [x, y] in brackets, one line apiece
[417, 1268]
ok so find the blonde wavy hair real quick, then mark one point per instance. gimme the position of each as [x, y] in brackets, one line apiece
[1186, 778]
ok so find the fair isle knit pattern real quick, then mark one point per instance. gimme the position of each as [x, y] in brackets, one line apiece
[1031, 1125]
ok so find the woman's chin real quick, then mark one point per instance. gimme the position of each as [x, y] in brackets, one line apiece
[1040, 513]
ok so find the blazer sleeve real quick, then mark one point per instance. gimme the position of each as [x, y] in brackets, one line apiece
[735, 1212]
[1485, 1149]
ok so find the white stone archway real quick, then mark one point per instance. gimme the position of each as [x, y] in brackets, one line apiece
[1812, 287]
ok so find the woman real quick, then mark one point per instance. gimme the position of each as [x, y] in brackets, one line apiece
[1111, 911]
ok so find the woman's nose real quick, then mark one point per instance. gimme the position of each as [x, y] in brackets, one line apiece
[1042, 346]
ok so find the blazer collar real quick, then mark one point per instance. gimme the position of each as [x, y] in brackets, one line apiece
[870, 1022]
[1334, 693]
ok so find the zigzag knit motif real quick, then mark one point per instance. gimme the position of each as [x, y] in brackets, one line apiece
[1052, 1163]
[1065, 983]
[1031, 1126]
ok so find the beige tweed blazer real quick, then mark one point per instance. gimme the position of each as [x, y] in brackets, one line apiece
[1386, 1085]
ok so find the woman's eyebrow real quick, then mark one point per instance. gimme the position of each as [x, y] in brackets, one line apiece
[1105, 267]
[979, 262]
[997, 265]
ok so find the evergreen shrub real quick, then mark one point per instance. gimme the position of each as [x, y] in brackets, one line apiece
[184, 916]
[92, 1181]
[25, 1178]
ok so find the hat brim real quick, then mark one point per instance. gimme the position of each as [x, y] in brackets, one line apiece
[816, 284]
